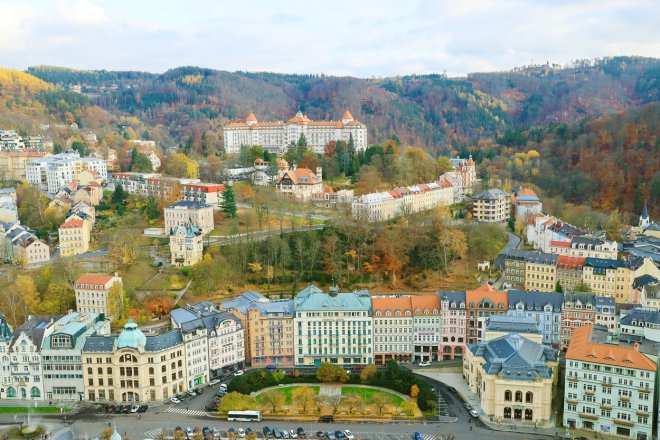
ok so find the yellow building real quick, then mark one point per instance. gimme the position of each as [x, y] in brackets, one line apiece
[12, 163]
[491, 206]
[186, 245]
[132, 367]
[512, 377]
[541, 272]
[74, 237]
[608, 278]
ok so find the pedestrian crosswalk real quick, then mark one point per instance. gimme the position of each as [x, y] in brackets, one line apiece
[188, 412]
[154, 433]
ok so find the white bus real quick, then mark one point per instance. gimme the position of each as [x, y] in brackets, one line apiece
[244, 416]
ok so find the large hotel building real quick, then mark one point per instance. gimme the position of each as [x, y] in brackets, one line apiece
[276, 136]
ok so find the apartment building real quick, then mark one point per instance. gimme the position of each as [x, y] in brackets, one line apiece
[544, 308]
[275, 136]
[569, 272]
[23, 379]
[541, 272]
[269, 328]
[393, 329]
[13, 163]
[482, 303]
[204, 193]
[465, 171]
[6, 337]
[426, 328]
[609, 388]
[514, 267]
[525, 203]
[183, 212]
[61, 354]
[92, 292]
[491, 206]
[300, 183]
[49, 174]
[74, 235]
[20, 245]
[513, 377]
[578, 310]
[132, 367]
[608, 278]
[453, 324]
[606, 315]
[374, 207]
[334, 327]
[152, 184]
[225, 338]
[186, 246]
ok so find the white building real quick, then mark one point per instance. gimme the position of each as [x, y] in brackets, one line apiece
[276, 136]
[491, 206]
[426, 328]
[185, 212]
[91, 292]
[195, 340]
[19, 245]
[51, 173]
[333, 327]
[61, 354]
[393, 329]
[206, 193]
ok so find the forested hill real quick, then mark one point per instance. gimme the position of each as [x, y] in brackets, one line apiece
[432, 111]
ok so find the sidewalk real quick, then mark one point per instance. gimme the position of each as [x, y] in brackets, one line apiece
[456, 380]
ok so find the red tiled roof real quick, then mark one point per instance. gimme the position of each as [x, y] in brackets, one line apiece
[93, 278]
[558, 243]
[566, 261]
[72, 223]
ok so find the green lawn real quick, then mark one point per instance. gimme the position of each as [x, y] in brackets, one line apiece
[368, 393]
[38, 410]
[287, 391]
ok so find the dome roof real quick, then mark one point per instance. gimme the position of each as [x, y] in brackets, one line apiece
[115, 435]
[131, 337]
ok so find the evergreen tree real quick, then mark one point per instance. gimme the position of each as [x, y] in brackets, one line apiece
[57, 149]
[229, 202]
[119, 195]
[151, 209]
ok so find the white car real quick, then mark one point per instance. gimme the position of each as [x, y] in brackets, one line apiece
[473, 413]
[189, 430]
[425, 364]
[293, 434]
[174, 400]
[134, 408]
[238, 373]
[214, 382]
[223, 386]
[349, 435]
[241, 432]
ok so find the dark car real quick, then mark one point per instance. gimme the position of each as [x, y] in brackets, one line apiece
[277, 433]
[326, 419]
[417, 436]
[340, 435]
[206, 431]
[267, 432]
[580, 438]
[452, 390]
[143, 409]
[271, 368]
[320, 435]
[301, 433]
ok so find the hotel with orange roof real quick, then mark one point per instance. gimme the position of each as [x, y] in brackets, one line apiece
[609, 388]
[275, 136]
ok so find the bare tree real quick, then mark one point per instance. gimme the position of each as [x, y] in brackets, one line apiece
[333, 402]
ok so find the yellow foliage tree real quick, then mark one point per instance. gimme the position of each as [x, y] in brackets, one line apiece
[182, 166]
[414, 391]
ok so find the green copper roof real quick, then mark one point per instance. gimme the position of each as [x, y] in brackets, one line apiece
[131, 336]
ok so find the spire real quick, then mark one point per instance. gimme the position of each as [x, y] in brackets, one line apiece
[644, 219]
[251, 119]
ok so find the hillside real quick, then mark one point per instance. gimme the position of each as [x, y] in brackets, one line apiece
[432, 111]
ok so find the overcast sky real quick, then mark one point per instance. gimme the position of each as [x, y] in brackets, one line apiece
[361, 38]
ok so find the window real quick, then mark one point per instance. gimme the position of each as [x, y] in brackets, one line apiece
[529, 397]
[507, 396]
[519, 396]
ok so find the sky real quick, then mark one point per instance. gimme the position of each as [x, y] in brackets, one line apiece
[362, 38]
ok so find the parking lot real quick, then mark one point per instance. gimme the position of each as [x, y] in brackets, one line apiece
[224, 435]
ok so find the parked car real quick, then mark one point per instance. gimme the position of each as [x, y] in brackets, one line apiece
[349, 435]
[417, 436]
[267, 432]
[339, 435]
[248, 431]
[199, 391]
[330, 435]
[206, 432]
[473, 413]
[241, 432]
[425, 364]
[134, 408]
[189, 430]
[293, 434]
[271, 368]
[301, 433]
[452, 390]
[143, 409]
[285, 433]
[223, 386]
[467, 406]
[216, 432]
[214, 382]
[277, 433]
[326, 419]
[320, 435]
[192, 393]
[238, 373]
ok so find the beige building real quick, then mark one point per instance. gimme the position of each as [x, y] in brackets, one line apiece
[132, 367]
[608, 278]
[186, 245]
[512, 377]
[491, 206]
[569, 272]
[300, 183]
[20, 245]
[74, 237]
[184, 212]
[541, 272]
[92, 292]
[13, 163]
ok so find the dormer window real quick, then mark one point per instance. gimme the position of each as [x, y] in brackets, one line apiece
[387, 313]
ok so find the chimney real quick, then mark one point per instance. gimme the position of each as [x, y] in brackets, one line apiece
[319, 172]
[293, 166]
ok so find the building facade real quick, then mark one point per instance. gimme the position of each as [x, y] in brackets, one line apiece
[513, 378]
[526, 203]
[426, 328]
[491, 206]
[300, 183]
[13, 163]
[132, 367]
[609, 388]
[275, 136]
[482, 303]
[578, 310]
[569, 272]
[453, 324]
[205, 193]
[92, 291]
[608, 278]
[393, 329]
[333, 327]
[51, 173]
[74, 235]
[186, 246]
[184, 212]
[541, 272]
[544, 308]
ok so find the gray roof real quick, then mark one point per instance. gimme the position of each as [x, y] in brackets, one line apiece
[640, 316]
[515, 357]
[605, 301]
[244, 302]
[491, 194]
[34, 328]
[106, 344]
[605, 263]
[644, 280]
[534, 300]
[199, 316]
[587, 241]
[311, 298]
[452, 296]
[188, 204]
[583, 297]
[512, 324]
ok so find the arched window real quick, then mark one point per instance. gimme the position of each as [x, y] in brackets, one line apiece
[34, 392]
[377, 312]
[127, 358]
[11, 392]
[507, 395]
[89, 370]
[151, 370]
[528, 414]
[518, 396]
[100, 369]
[109, 370]
[507, 412]
[529, 397]
[458, 350]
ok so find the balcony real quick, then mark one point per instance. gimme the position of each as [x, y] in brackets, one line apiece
[605, 406]
[589, 392]
[640, 412]
[623, 422]
[644, 389]
[606, 384]
[589, 416]
[572, 400]
[572, 378]
[624, 398]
